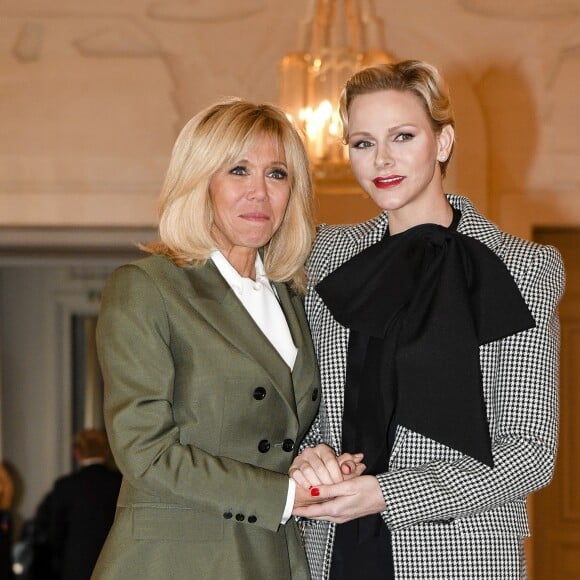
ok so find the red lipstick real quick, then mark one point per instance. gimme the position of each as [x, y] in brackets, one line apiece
[385, 182]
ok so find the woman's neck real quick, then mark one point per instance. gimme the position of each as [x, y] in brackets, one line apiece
[242, 259]
[401, 220]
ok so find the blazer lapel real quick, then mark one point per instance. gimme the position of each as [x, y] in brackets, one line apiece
[474, 225]
[291, 312]
[305, 364]
[217, 303]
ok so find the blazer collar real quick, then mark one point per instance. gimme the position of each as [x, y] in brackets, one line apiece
[360, 236]
[472, 224]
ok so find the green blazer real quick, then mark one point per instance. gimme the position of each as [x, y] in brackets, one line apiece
[204, 419]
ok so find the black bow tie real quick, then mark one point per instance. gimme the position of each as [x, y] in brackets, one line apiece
[446, 294]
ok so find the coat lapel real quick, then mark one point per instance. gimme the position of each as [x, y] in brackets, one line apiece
[217, 303]
[474, 225]
[305, 364]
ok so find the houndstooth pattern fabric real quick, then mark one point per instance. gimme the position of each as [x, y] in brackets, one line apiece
[451, 517]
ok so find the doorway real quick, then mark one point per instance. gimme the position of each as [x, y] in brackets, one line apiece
[556, 508]
[50, 386]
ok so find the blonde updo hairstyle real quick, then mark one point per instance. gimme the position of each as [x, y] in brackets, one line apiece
[213, 139]
[415, 76]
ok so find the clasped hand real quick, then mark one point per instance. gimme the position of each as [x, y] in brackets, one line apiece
[332, 488]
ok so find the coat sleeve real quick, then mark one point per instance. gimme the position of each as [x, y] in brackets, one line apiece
[134, 345]
[522, 405]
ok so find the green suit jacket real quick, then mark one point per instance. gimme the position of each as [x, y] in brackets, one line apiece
[204, 419]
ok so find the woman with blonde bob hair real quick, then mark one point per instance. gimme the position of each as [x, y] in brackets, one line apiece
[209, 370]
[210, 140]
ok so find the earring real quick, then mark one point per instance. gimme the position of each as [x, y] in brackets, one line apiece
[442, 157]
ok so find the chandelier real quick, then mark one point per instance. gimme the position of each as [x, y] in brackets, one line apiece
[334, 41]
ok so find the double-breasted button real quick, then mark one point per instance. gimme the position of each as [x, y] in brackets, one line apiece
[315, 394]
[288, 444]
[259, 393]
[264, 446]
[228, 515]
[252, 519]
[240, 517]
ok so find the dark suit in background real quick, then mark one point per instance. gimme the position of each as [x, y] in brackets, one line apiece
[81, 509]
[74, 518]
[5, 544]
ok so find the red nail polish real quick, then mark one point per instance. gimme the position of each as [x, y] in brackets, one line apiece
[314, 492]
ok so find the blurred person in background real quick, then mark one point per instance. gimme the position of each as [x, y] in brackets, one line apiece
[73, 520]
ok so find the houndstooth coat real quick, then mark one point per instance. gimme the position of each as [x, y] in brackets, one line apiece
[451, 517]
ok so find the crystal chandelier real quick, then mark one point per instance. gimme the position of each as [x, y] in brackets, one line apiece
[335, 40]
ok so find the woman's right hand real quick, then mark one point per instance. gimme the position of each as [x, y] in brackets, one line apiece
[320, 465]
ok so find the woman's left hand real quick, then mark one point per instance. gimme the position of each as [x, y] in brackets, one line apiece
[320, 465]
[345, 501]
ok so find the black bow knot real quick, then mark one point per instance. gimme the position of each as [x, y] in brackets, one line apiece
[442, 294]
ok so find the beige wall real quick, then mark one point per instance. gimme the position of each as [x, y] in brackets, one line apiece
[92, 96]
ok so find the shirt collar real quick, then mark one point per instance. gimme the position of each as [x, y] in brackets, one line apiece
[232, 276]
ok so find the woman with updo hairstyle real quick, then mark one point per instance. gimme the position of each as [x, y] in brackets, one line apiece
[437, 338]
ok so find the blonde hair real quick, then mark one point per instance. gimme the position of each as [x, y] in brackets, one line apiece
[210, 141]
[415, 76]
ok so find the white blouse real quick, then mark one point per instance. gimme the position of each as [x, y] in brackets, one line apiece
[260, 300]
